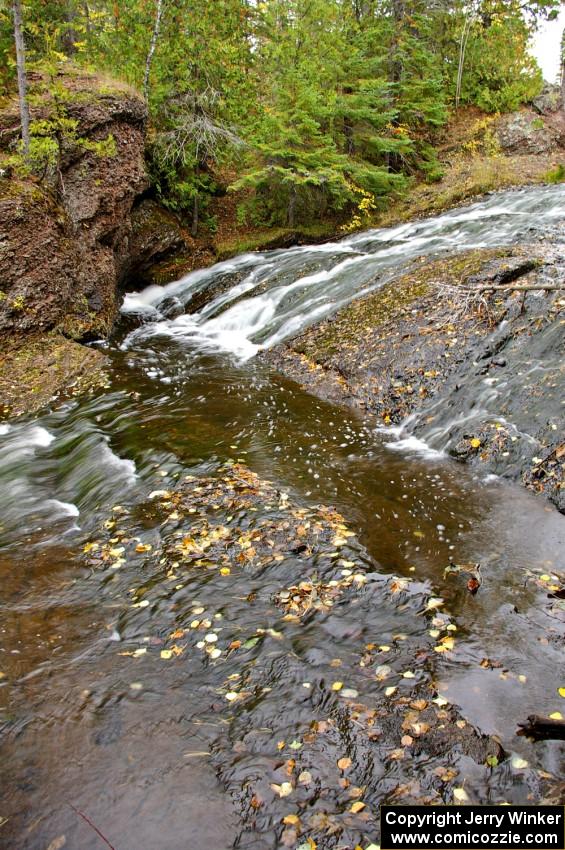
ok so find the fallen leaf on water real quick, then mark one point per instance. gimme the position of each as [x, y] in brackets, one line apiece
[492, 761]
[166, 654]
[283, 790]
[344, 763]
[556, 715]
[561, 692]
[337, 686]
[408, 674]
[390, 691]
[295, 745]
[305, 778]
[349, 693]
[357, 807]
[406, 740]
[57, 843]
[231, 695]
[519, 763]
[434, 602]
[291, 819]
[309, 844]
[475, 443]
[225, 571]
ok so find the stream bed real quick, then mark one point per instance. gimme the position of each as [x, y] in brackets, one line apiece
[332, 657]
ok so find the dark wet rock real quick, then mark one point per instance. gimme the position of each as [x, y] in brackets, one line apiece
[301, 728]
[171, 307]
[221, 283]
[156, 236]
[482, 370]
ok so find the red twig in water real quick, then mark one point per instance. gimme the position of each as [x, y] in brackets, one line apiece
[89, 822]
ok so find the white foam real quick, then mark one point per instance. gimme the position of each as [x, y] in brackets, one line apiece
[66, 508]
[4, 429]
[414, 445]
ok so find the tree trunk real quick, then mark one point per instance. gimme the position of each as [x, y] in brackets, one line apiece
[69, 36]
[195, 214]
[22, 78]
[291, 211]
[563, 70]
[152, 46]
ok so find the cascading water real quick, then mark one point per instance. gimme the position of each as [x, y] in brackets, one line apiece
[282, 292]
[148, 746]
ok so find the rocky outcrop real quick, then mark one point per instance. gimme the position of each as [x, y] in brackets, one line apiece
[157, 239]
[535, 130]
[65, 236]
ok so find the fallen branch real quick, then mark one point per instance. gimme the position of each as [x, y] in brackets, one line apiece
[542, 728]
[525, 287]
[95, 828]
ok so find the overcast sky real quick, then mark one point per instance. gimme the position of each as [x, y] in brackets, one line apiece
[546, 47]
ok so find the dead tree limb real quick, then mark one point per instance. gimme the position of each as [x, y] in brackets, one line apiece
[524, 287]
[542, 728]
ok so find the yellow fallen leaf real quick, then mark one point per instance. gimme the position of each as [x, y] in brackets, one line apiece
[389, 691]
[283, 790]
[358, 806]
[344, 763]
[460, 795]
[475, 443]
[225, 571]
[561, 692]
[166, 654]
[556, 715]
[291, 819]
[337, 686]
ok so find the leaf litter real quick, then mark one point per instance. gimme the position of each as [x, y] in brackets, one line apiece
[232, 575]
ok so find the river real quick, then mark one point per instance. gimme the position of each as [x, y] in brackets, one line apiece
[92, 716]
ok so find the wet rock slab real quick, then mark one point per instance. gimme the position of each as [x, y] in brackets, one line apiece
[479, 370]
[314, 668]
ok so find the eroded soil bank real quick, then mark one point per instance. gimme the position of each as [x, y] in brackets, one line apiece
[465, 352]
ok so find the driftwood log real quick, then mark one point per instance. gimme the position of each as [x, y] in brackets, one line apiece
[542, 728]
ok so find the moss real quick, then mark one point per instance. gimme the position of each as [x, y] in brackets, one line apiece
[275, 237]
[389, 305]
[45, 367]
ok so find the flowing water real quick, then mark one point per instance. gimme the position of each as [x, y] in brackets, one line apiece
[149, 749]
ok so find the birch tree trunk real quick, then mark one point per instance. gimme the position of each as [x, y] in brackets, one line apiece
[563, 70]
[152, 46]
[21, 67]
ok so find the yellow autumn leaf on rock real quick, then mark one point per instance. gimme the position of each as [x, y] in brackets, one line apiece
[460, 795]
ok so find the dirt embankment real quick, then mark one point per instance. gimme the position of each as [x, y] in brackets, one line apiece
[65, 233]
[480, 369]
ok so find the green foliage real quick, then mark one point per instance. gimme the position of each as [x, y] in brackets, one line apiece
[313, 108]
[557, 175]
